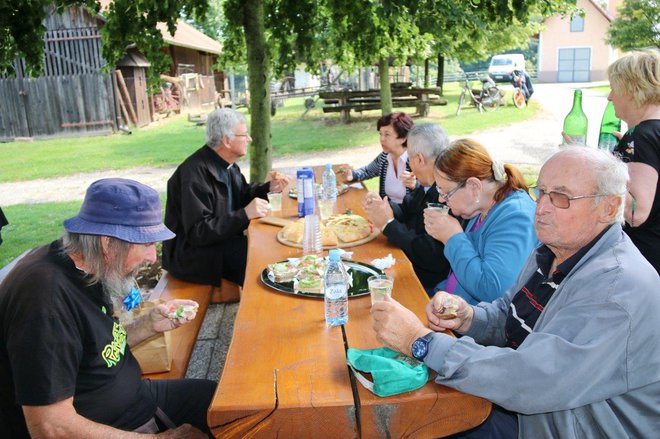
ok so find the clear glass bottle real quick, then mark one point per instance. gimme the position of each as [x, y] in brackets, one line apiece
[335, 291]
[576, 123]
[608, 125]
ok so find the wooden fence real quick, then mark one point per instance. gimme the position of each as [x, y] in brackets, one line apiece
[56, 105]
[73, 96]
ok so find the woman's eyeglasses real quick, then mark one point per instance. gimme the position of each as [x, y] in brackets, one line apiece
[559, 200]
[448, 195]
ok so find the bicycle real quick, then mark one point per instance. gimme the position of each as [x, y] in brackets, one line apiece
[521, 88]
[490, 97]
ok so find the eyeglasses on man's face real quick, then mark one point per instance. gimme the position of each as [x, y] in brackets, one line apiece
[449, 194]
[559, 200]
[242, 135]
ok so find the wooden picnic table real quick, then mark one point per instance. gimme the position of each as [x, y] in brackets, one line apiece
[285, 374]
[360, 100]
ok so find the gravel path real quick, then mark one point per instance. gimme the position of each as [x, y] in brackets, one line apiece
[526, 143]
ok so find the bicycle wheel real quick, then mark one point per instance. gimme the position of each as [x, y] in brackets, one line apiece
[494, 99]
[461, 100]
[518, 98]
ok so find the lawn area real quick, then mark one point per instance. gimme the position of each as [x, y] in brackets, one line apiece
[170, 141]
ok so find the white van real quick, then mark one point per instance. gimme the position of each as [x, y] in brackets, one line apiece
[501, 66]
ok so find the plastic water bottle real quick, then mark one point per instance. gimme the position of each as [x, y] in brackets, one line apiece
[335, 291]
[330, 183]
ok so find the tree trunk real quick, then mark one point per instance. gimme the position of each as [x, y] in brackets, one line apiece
[385, 90]
[426, 73]
[441, 72]
[259, 86]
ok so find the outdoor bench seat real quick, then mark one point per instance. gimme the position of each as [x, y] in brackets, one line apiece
[184, 337]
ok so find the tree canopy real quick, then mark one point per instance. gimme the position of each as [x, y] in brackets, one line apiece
[637, 25]
[277, 35]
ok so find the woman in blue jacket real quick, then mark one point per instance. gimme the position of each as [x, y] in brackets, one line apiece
[486, 258]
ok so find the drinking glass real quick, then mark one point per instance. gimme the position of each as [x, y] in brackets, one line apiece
[438, 207]
[380, 285]
[275, 200]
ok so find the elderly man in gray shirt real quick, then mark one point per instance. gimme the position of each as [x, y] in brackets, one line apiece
[572, 350]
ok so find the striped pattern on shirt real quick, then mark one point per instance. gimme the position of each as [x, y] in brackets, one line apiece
[378, 167]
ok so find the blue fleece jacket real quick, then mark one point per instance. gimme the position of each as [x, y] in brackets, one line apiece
[486, 262]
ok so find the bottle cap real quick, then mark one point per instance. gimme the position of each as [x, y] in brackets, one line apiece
[334, 255]
[328, 166]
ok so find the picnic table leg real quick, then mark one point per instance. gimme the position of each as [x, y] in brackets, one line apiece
[345, 114]
[423, 107]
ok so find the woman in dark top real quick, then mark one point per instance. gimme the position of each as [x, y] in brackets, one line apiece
[635, 83]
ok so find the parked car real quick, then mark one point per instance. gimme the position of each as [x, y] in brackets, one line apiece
[501, 66]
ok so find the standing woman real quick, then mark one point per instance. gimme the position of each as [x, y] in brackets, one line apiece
[391, 165]
[487, 257]
[635, 83]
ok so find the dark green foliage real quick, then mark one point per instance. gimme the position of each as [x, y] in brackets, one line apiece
[637, 26]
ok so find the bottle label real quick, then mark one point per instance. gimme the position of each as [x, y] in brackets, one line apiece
[607, 142]
[578, 140]
[335, 291]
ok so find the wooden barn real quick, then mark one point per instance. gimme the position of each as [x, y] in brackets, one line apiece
[74, 97]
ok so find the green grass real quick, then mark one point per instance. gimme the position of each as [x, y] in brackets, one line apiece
[171, 141]
[31, 225]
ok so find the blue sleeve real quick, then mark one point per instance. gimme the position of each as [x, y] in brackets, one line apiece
[486, 273]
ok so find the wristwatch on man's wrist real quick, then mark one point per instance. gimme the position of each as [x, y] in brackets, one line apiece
[421, 346]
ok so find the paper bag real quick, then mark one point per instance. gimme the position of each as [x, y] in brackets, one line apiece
[155, 354]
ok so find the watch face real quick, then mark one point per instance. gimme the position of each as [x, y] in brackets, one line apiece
[420, 348]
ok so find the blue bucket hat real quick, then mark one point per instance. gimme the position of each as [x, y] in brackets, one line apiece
[121, 208]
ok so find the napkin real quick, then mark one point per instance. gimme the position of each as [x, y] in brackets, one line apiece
[344, 254]
[383, 263]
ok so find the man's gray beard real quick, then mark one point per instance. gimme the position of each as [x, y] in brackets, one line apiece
[116, 286]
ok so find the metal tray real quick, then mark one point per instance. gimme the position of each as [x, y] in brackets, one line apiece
[360, 271]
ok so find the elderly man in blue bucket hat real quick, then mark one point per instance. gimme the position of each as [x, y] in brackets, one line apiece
[65, 359]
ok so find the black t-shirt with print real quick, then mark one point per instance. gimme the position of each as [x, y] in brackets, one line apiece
[642, 144]
[58, 339]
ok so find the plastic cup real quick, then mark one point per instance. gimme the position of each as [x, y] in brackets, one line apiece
[380, 285]
[275, 200]
[438, 207]
[326, 208]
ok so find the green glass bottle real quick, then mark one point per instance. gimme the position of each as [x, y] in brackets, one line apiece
[575, 123]
[609, 124]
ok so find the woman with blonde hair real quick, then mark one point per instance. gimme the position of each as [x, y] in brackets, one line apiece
[635, 93]
[486, 258]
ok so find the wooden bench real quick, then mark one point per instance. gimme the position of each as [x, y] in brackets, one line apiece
[345, 101]
[183, 338]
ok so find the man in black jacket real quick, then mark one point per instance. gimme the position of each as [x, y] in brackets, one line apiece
[210, 205]
[403, 224]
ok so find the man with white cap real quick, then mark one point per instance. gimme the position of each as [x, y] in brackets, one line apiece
[66, 368]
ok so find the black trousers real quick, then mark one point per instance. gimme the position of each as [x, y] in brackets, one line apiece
[184, 401]
[234, 259]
